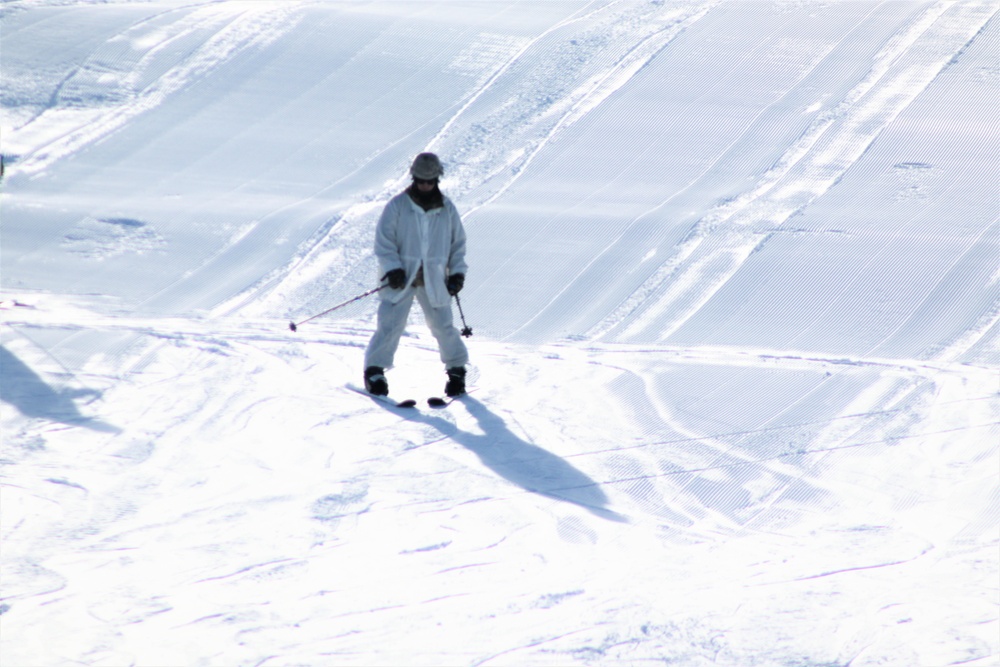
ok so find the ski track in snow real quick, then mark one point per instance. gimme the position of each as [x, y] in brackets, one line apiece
[137, 70]
[813, 164]
[542, 105]
[644, 475]
[645, 472]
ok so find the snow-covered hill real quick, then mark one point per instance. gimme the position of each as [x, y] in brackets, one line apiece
[735, 288]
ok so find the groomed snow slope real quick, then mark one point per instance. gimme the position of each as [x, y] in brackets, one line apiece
[735, 287]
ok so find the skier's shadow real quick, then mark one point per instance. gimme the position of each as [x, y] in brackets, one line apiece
[22, 388]
[522, 463]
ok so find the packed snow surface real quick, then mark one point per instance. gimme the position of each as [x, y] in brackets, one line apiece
[735, 293]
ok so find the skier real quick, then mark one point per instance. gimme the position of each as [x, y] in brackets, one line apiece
[420, 247]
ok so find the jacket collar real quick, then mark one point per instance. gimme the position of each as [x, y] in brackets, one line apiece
[426, 202]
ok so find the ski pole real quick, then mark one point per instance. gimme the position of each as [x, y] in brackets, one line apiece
[466, 329]
[295, 326]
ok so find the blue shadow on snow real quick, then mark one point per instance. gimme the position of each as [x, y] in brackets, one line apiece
[522, 463]
[22, 388]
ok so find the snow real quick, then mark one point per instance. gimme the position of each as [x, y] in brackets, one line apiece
[736, 298]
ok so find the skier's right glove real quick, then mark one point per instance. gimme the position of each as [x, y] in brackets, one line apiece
[396, 278]
[455, 283]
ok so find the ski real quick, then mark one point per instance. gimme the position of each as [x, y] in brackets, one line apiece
[443, 402]
[407, 403]
[433, 401]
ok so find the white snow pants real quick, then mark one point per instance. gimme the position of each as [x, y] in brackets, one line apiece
[392, 322]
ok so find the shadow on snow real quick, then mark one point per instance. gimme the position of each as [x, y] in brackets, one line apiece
[522, 463]
[22, 388]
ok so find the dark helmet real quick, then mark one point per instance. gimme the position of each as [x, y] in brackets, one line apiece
[427, 167]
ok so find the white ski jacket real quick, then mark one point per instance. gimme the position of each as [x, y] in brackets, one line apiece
[407, 237]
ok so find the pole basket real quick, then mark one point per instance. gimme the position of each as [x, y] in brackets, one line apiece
[466, 329]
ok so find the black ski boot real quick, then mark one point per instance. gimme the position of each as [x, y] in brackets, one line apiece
[375, 381]
[456, 381]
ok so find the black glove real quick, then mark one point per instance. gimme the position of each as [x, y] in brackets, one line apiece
[396, 278]
[455, 283]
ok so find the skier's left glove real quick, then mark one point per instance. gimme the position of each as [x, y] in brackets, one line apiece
[455, 283]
